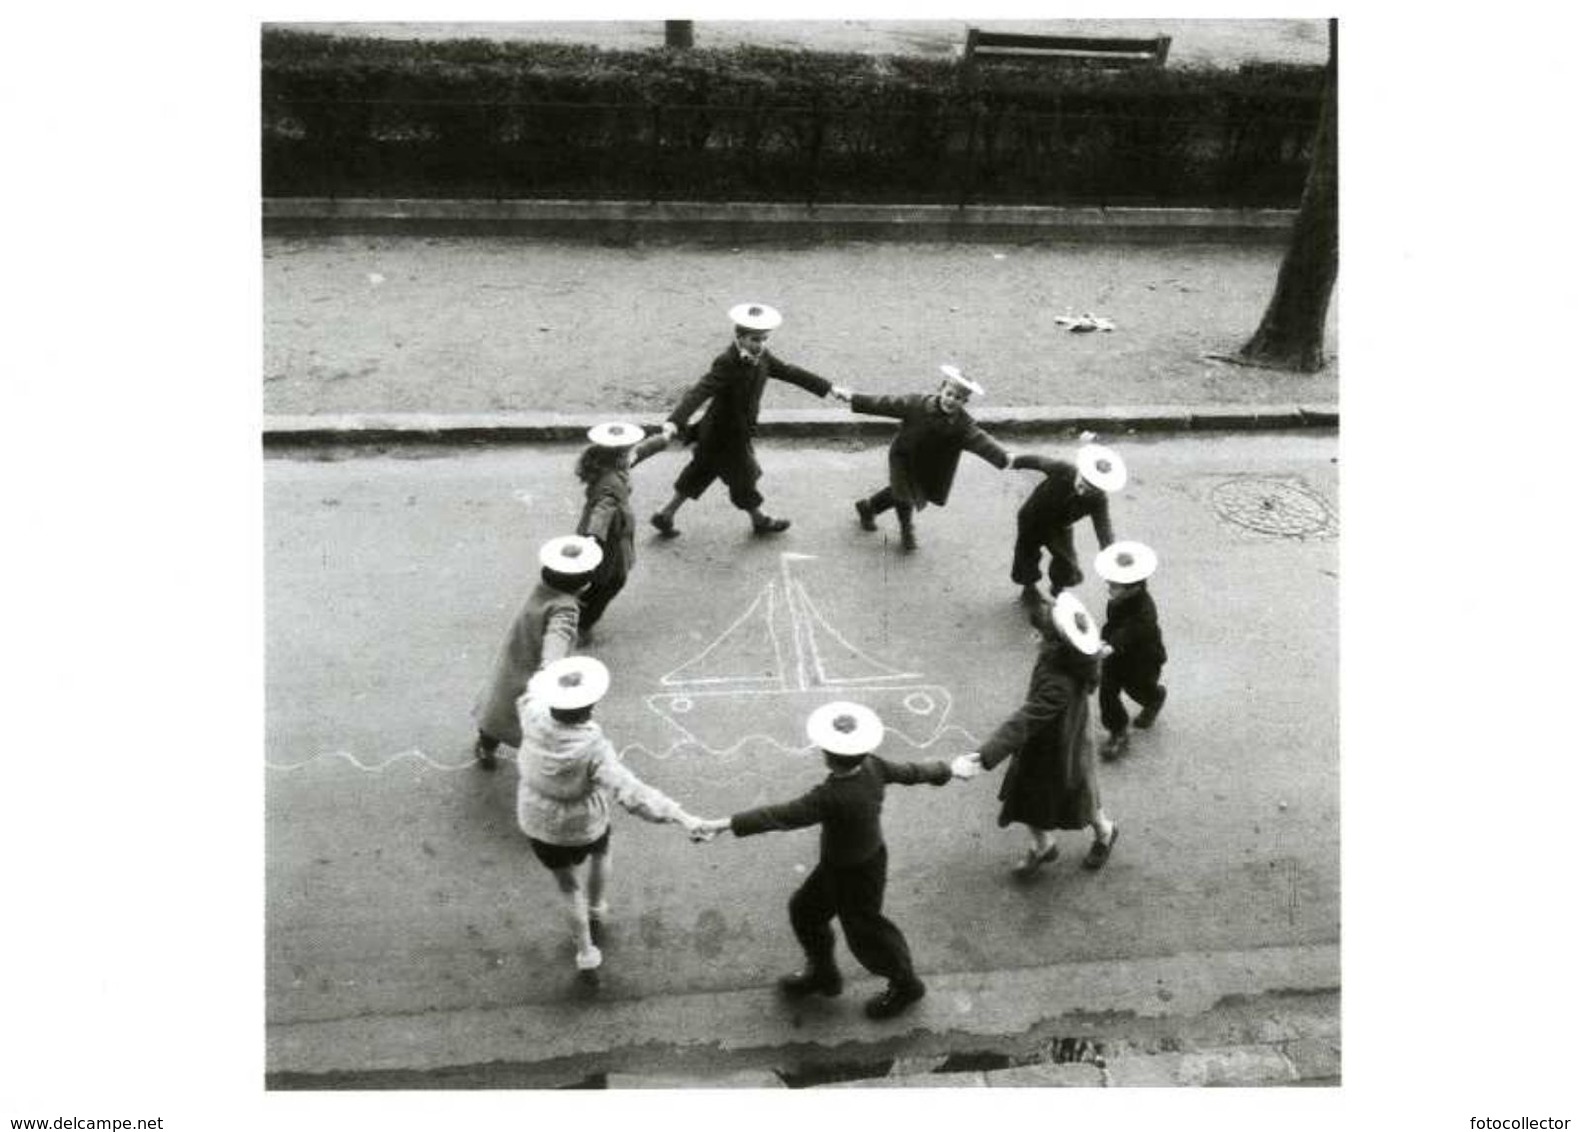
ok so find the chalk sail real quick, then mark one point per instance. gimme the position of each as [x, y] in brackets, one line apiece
[775, 663]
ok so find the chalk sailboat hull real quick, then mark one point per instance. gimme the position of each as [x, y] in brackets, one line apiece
[721, 721]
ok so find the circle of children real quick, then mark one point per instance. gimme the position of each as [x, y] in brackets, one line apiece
[541, 698]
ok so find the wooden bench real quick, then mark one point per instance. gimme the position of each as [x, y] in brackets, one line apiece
[986, 46]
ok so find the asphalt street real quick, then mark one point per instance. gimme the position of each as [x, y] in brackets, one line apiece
[400, 893]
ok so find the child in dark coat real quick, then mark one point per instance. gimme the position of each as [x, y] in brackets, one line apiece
[722, 440]
[853, 862]
[935, 429]
[543, 631]
[1052, 780]
[1069, 492]
[1131, 630]
[605, 470]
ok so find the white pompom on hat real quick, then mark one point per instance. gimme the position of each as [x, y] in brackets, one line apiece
[571, 554]
[755, 316]
[571, 683]
[954, 374]
[615, 434]
[844, 728]
[1101, 467]
[1126, 562]
[1076, 624]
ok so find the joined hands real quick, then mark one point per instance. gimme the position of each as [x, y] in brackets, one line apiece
[705, 829]
[967, 766]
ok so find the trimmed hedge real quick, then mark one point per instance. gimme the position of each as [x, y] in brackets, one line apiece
[476, 118]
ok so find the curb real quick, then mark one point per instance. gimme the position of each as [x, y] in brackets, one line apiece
[1244, 1066]
[1309, 1059]
[1299, 1050]
[319, 429]
[747, 221]
[705, 1036]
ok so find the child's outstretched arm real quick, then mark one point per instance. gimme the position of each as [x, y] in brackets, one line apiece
[635, 795]
[985, 447]
[798, 813]
[649, 446]
[1031, 461]
[935, 772]
[1101, 526]
[873, 405]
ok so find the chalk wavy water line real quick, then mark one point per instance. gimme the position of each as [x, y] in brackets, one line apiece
[375, 767]
[381, 766]
[695, 745]
[805, 618]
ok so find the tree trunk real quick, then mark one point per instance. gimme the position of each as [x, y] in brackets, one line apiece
[1291, 334]
[677, 33]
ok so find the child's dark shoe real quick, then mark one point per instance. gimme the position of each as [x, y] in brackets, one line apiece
[894, 999]
[664, 524]
[1034, 861]
[1145, 717]
[1098, 855]
[826, 983]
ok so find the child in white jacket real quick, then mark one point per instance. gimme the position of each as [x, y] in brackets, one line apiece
[569, 773]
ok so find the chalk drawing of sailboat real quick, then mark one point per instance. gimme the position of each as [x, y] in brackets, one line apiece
[778, 661]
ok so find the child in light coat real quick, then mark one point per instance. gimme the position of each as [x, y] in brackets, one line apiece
[569, 775]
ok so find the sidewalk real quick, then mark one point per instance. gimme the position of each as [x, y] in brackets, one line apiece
[468, 337]
[1265, 1017]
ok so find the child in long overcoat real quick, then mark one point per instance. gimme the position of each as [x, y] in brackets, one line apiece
[1131, 631]
[935, 429]
[605, 471]
[1052, 780]
[543, 631]
[1068, 493]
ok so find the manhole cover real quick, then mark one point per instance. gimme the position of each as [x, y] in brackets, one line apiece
[1275, 507]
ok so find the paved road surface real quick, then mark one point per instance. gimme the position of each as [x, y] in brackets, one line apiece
[399, 888]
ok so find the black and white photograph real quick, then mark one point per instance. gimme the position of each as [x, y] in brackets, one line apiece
[681, 432]
[786, 565]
